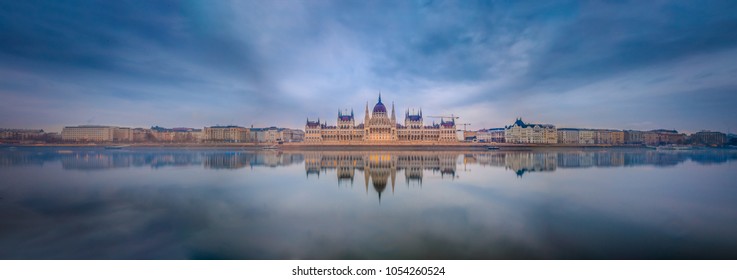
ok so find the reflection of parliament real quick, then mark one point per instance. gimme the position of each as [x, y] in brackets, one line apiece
[380, 127]
[381, 168]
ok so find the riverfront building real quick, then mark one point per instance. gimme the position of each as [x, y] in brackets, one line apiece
[95, 133]
[568, 135]
[528, 133]
[380, 127]
[709, 138]
[491, 135]
[229, 133]
[275, 134]
[590, 136]
[21, 134]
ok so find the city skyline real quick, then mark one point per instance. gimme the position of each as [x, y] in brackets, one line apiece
[591, 65]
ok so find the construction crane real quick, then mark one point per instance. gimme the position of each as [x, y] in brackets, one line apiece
[464, 129]
[452, 117]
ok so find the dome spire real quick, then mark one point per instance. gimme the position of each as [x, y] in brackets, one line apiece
[379, 96]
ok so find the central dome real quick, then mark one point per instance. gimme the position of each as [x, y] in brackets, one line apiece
[379, 107]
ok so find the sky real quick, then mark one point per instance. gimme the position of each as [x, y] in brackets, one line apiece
[589, 64]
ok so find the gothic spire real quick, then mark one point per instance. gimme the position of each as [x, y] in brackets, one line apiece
[393, 115]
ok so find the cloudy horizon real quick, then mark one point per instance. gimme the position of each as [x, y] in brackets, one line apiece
[599, 64]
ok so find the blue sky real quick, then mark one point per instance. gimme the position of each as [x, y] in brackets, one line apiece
[603, 64]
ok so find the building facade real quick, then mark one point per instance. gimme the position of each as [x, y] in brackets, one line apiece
[633, 137]
[568, 135]
[617, 137]
[709, 138]
[21, 134]
[122, 134]
[526, 133]
[491, 135]
[230, 133]
[88, 133]
[586, 136]
[379, 127]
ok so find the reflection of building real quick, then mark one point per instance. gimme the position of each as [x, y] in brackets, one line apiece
[530, 162]
[380, 168]
[379, 126]
[528, 133]
[524, 162]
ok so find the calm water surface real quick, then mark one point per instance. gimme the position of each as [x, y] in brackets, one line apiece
[145, 203]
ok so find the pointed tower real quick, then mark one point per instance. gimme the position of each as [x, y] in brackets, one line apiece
[393, 176]
[394, 117]
[366, 126]
[366, 177]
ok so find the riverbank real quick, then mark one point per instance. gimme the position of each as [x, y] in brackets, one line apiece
[312, 146]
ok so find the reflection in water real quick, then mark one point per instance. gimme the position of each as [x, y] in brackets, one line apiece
[96, 158]
[381, 165]
[147, 203]
[380, 168]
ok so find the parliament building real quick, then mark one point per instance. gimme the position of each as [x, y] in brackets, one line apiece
[380, 127]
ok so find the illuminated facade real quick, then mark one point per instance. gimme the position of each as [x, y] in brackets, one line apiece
[380, 127]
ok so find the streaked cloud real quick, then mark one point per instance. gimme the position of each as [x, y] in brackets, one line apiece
[614, 64]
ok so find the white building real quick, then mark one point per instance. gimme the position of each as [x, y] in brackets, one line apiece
[568, 135]
[587, 136]
[491, 135]
[230, 133]
[527, 133]
[91, 133]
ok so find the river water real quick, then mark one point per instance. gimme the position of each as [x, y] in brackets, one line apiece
[167, 203]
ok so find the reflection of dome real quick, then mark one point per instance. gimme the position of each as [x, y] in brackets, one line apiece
[379, 107]
[379, 184]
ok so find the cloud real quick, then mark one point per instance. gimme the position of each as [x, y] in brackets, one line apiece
[274, 63]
